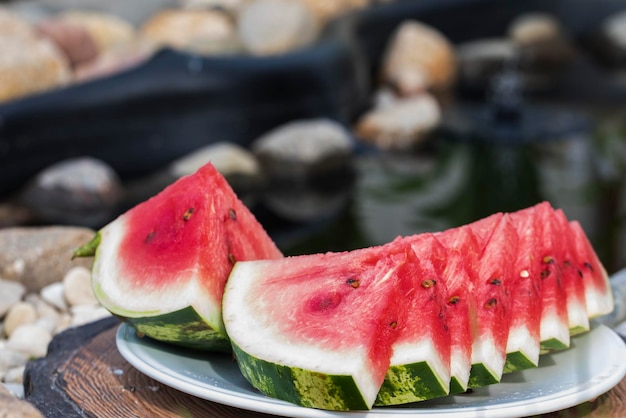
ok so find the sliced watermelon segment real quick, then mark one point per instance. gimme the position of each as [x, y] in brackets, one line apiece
[420, 365]
[598, 295]
[459, 278]
[572, 280]
[523, 344]
[554, 333]
[162, 265]
[492, 299]
[316, 330]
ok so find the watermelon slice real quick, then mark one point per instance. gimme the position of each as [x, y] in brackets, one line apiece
[162, 265]
[554, 330]
[316, 330]
[492, 299]
[459, 278]
[598, 295]
[572, 280]
[420, 365]
[349, 330]
[523, 344]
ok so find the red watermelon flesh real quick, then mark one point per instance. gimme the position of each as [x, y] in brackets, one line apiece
[525, 291]
[598, 295]
[572, 281]
[317, 330]
[492, 299]
[420, 365]
[554, 319]
[163, 264]
[459, 244]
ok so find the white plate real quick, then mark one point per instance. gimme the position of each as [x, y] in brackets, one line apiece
[595, 363]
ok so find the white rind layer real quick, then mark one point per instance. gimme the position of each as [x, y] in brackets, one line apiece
[252, 333]
[484, 352]
[552, 327]
[520, 340]
[460, 366]
[425, 350]
[131, 302]
[599, 303]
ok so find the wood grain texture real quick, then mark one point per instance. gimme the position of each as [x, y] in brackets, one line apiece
[84, 375]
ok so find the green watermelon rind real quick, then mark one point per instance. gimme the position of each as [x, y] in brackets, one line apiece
[481, 375]
[516, 361]
[411, 383]
[184, 327]
[299, 386]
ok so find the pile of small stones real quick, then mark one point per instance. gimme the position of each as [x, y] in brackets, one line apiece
[42, 293]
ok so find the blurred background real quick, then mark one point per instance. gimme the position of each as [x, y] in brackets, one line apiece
[341, 124]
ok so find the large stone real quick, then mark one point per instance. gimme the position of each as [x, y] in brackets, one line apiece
[419, 58]
[400, 125]
[206, 31]
[80, 191]
[269, 27]
[38, 256]
[304, 148]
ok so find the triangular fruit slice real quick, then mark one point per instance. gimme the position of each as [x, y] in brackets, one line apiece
[162, 265]
[572, 280]
[598, 295]
[523, 344]
[460, 247]
[554, 332]
[492, 299]
[420, 365]
[316, 330]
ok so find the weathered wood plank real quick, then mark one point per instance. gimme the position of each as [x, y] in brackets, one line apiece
[84, 375]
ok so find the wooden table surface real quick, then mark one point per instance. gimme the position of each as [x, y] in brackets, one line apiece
[84, 375]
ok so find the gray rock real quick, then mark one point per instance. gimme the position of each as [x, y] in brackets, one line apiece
[303, 148]
[82, 191]
[12, 214]
[15, 375]
[480, 60]
[401, 125]
[268, 27]
[38, 256]
[10, 293]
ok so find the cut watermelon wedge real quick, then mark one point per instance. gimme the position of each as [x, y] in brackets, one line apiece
[420, 365]
[598, 295]
[554, 333]
[523, 344]
[493, 315]
[162, 265]
[316, 330]
[572, 280]
[456, 270]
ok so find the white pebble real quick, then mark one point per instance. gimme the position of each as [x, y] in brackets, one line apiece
[55, 295]
[49, 323]
[15, 375]
[77, 287]
[11, 358]
[30, 339]
[10, 293]
[84, 314]
[19, 314]
[15, 389]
